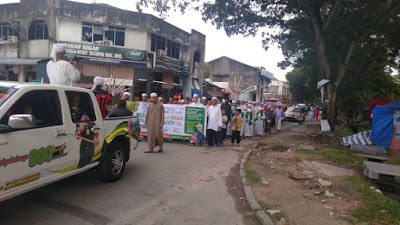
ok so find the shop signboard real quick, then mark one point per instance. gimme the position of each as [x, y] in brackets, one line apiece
[175, 65]
[107, 54]
[180, 121]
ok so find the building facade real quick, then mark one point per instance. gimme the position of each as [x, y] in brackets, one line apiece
[224, 71]
[138, 50]
[278, 90]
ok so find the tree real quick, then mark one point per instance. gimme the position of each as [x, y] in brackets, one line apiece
[331, 31]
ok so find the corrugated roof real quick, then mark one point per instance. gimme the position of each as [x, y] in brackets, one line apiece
[19, 61]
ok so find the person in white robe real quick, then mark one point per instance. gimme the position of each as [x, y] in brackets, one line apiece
[214, 122]
[248, 121]
[195, 101]
[59, 71]
[259, 123]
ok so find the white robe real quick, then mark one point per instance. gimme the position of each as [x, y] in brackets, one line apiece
[62, 73]
[214, 117]
[197, 104]
[259, 124]
[248, 129]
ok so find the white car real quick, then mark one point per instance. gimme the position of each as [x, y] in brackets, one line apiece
[49, 132]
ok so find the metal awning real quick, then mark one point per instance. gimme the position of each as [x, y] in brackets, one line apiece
[19, 61]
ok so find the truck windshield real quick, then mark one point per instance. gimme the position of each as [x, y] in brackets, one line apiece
[5, 93]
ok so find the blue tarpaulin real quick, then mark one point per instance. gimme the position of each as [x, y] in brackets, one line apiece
[382, 123]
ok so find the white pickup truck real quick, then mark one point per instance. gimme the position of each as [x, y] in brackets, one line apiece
[50, 132]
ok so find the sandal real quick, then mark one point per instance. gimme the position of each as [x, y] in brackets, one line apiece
[149, 151]
[160, 150]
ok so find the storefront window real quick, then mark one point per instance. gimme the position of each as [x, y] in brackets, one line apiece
[38, 30]
[102, 34]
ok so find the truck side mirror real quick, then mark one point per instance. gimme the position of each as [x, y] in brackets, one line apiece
[21, 121]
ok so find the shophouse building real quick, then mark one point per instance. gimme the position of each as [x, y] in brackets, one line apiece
[139, 50]
[224, 71]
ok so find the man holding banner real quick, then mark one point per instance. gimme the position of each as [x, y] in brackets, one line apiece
[154, 123]
[214, 122]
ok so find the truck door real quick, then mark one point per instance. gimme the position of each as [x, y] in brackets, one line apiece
[33, 155]
[87, 129]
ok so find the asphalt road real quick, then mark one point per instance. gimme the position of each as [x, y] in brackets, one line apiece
[184, 185]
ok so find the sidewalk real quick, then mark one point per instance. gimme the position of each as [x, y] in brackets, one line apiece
[287, 182]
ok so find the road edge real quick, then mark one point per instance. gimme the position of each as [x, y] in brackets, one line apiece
[262, 217]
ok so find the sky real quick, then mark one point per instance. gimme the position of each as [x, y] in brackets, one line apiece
[247, 50]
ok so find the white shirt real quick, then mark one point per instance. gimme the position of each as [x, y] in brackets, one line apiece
[214, 117]
[62, 73]
[195, 104]
[224, 120]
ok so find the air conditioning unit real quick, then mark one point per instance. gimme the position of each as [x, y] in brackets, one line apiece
[12, 39]
[161, 52]
[108, 42]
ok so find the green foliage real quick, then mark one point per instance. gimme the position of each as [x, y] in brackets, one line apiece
[343, 131]
[338, 155]
[352, 43]
[251, 175]
[376, 208]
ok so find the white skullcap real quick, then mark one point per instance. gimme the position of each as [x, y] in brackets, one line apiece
[233, 101]
[248, 110]
[204, 98]
[144, 95]
[160, 98]
[98, 81]
[153, 94]
[58, 47]
[223, 100]
[239, 108]
[199, 126]
[214, 98]
[126, 94]
[195, 96]
[182, 101]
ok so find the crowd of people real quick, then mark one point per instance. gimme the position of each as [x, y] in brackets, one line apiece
[237, 119]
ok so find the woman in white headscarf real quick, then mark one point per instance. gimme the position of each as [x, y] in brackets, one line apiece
[61, 72]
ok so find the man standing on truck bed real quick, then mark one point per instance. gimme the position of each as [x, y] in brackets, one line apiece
[61, 72]
[154, 123]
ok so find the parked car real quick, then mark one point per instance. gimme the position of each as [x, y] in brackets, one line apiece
[49, 132]
[292, 113]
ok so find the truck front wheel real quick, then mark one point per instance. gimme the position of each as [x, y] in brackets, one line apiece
[113, 165]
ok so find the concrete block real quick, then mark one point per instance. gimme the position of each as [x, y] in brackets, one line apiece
[247, 191]
[242, 173]
[369, 149]
[264, 218]
[253, 204]
[374, 170]
[244, 181]
[307, 147]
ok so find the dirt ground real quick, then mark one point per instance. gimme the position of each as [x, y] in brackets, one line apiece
[289, 180]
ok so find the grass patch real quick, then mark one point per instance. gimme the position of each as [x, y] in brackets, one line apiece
[343, 131]
[277, 217]
[376, 208]
[338, 155]
[348, 219]
[265, 207]
[251, 175]
[394, 162]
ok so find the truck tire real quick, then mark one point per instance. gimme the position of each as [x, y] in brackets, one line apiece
[113, 165]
